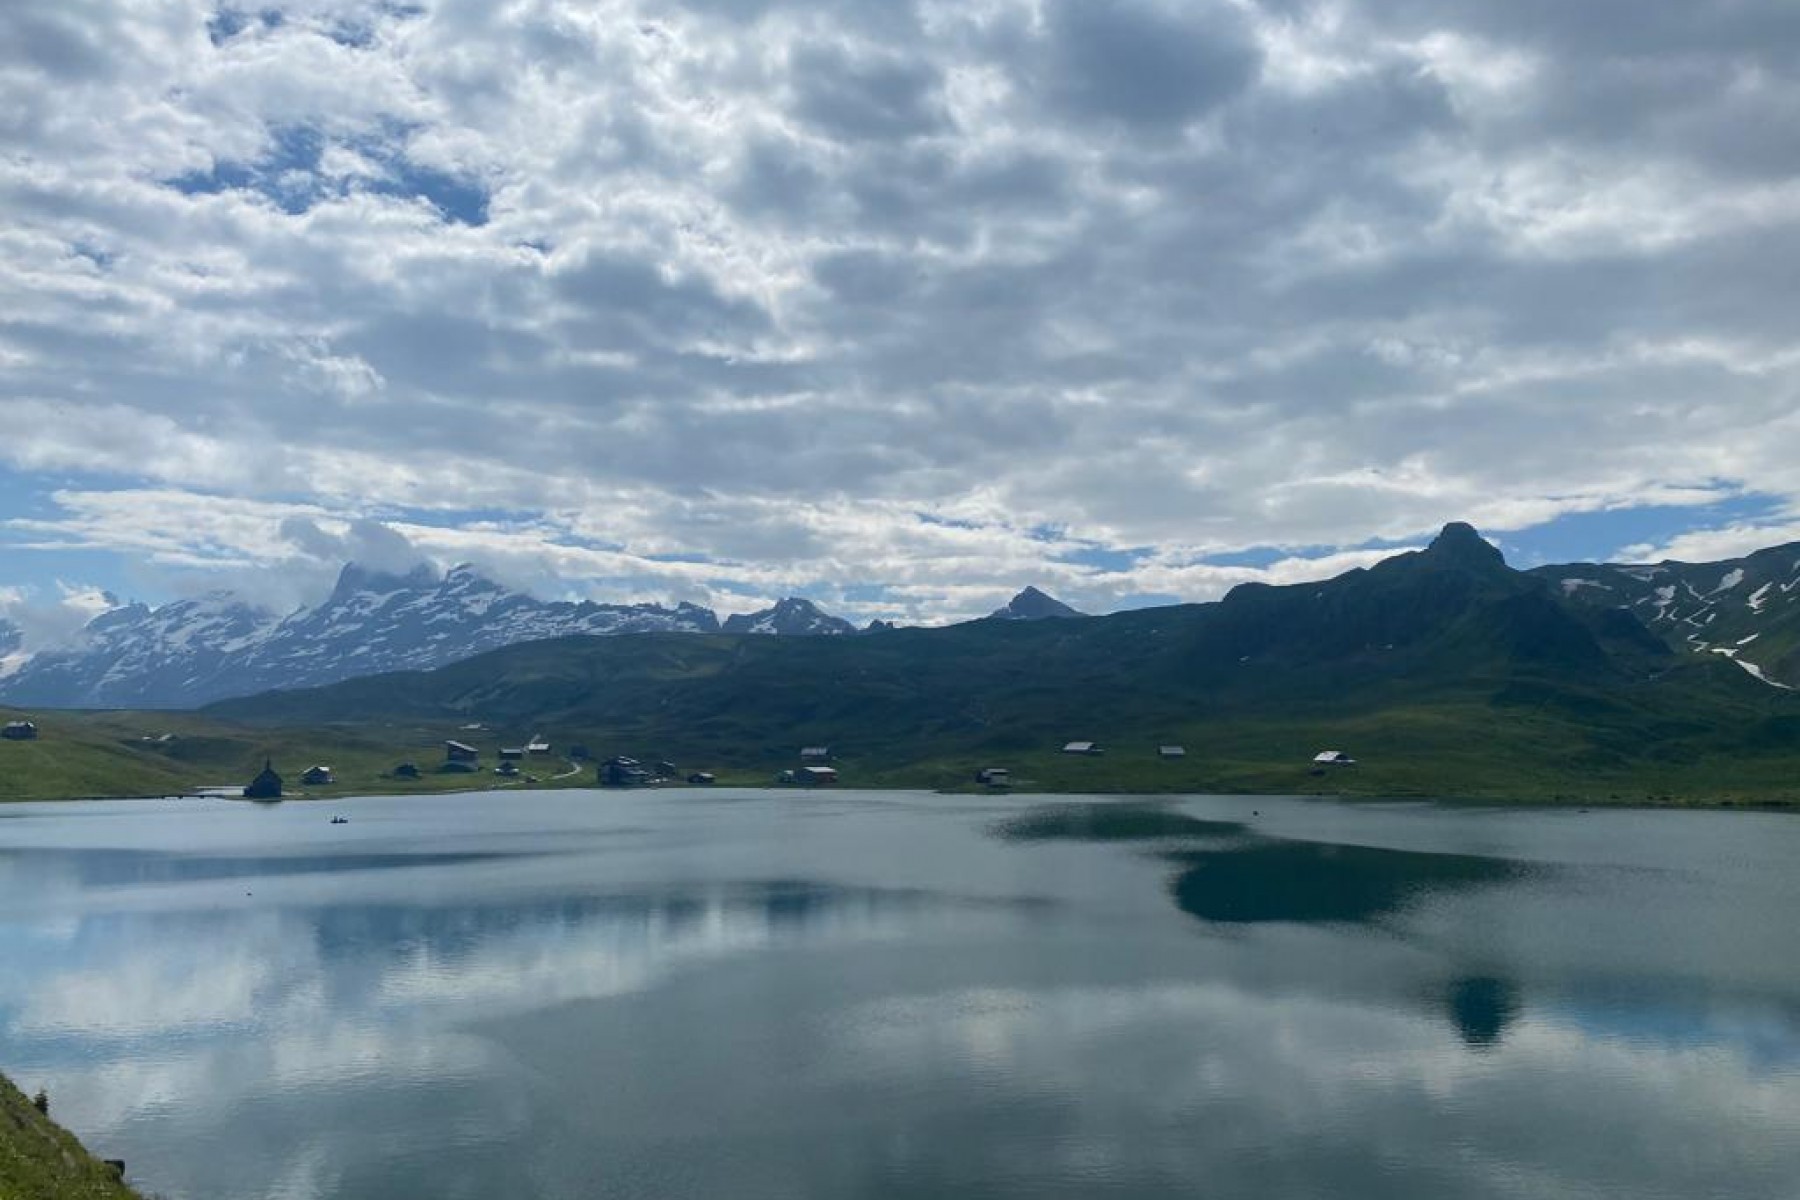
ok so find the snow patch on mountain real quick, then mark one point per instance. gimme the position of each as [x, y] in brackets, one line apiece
[192, 652]
[792, 617]
[1757, 672]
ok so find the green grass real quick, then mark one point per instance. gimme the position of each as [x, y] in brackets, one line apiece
[39, 1160]
[115, 754]
[1456, 747]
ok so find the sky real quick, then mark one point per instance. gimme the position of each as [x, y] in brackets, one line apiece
[896, 304]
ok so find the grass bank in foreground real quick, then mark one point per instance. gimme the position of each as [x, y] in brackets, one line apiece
[40, 1160]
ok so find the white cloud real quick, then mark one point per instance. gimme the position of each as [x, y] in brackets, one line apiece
[754, 287]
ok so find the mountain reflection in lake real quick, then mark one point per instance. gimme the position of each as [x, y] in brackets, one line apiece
[887, 995]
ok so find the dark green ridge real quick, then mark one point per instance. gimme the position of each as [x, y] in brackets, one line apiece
[1443, 671]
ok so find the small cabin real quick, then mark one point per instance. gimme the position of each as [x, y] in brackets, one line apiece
[994, 777]
[816, 776]
[1171, 752]
[1333, 758]
[315, 776]
[511, 753]
[815, 754]
[509, 768]
[1082, 748]
[19, 731]
[622, 772]
[538, 744]
[460, 752]
[700, 778]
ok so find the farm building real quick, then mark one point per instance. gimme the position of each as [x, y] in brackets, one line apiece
[994, 777]
[538, 744]
[266, 785]
[1333, 758]
[623, 772]
[1082, 748]
[460, 752]
[19, 731]
[511, 753]
[816, 776]
[314, 776]
[1171, 752]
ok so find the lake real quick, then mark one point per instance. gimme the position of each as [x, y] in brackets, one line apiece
[883, 994]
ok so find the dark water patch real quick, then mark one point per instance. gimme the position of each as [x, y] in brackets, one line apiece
[1482, 1007]
[1320, 882]
[1115, 822]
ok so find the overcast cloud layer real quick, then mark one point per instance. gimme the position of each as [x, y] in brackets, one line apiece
[900, 305]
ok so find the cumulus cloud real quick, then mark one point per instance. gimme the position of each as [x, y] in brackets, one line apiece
[721, 300]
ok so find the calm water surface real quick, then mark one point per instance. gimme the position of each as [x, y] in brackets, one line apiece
[720, 994]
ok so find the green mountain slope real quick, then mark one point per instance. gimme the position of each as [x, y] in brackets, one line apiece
[39, 1160]
[1745, 610]
[1460, 674]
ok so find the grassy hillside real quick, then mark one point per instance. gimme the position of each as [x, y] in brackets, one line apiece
[39, 1160]
[101, 755]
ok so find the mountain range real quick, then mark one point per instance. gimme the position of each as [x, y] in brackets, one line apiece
[1445, 670]
[191, 652]
[194, 652]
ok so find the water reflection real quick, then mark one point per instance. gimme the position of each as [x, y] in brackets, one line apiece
[1251, 878]
[1481, 1008]
[904, 1000]
[1110, 822]
[1311, 881]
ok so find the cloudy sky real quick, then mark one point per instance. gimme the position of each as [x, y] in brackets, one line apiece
[899, 304]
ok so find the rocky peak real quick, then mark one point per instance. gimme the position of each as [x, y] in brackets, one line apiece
[1033, 605]
[356, 578]
[794, 616]
[1458, 544]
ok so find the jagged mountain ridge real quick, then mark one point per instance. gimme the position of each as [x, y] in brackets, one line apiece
[1432, 636]
[1743, 609]
[792, 617]
[192, 652]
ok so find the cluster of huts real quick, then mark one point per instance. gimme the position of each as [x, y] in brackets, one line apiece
[460, 758]
[816, 767]
[268, 783]
[1001, 777]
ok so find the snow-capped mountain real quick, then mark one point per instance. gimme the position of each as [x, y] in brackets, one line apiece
[191, 652]
[1744, 609]
[1033, 605]
[11, 658]
[792, 617]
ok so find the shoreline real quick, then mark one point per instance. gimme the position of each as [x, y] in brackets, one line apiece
[1578, 803]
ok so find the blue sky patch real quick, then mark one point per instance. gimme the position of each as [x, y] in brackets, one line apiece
[289, 174]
